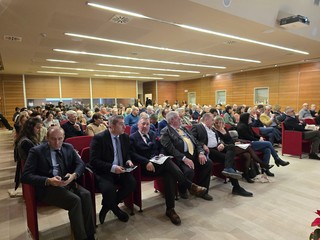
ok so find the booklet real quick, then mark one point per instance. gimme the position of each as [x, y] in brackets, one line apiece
[159, 159]
[130, 169]
[242, 145]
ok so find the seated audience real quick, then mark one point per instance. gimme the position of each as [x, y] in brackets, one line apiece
[248, 154]
[292, 123]
[208, 138]
[229, 118]
[188, 153]
[185, 120]
[50, 121]
[96, 126]
[304, 112]
[163, 123]
[258, 143]
[109, 155]
[72, 128]
[23, 117]
[47, 175]
[144, 147]
[133, 117]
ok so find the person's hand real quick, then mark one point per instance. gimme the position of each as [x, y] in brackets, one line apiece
[261, 139]
[220, 147]
[202, 159]
[205, 148]
[129, 163]
[119, 170]
[189, 163]
[55, 181]
[70, 177]
[76, 127]
[150, 167]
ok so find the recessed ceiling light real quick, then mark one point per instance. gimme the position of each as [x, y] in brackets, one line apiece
[134, 77]
[148, 68]
[159, 48]
[65, 73]
[88, 70]
[136, 59]
[60, 60]
[166, 75]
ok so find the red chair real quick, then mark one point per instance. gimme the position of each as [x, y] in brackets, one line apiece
[89, 184]
[310, 121]
[188, 127]
[256, 130]
[292, 142]
[79, 142]
[63, 122]
[127, 130]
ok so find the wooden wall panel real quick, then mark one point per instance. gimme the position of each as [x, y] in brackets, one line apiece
[167, 91]
[42, 87]
[12, 94]
[75, 87]
[150, 88]
[309, 83]
[111, 88]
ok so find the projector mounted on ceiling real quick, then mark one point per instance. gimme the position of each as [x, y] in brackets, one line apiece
[296, 21]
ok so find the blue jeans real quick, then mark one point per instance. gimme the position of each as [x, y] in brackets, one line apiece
[272, 133]
[266, 148]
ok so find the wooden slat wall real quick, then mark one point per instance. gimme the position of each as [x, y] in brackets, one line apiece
[106, 88]
[149, 88]
[75, 87]
[12, 94]
[42, 87]
[167, 91]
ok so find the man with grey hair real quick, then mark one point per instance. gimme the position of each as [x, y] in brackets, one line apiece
[72, 128]
[184, 119]
[292, 123]
[189, 154]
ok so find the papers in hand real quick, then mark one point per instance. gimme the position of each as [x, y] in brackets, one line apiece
[311, 127]
[130, 169]
[159, 159]
[242, 145]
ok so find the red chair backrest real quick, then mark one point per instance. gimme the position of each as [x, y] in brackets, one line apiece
[127, 130]
[310, 121]
[79, 142]
[85, 154]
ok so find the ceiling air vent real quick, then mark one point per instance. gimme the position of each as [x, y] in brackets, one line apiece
[12, 38]
[120, 19]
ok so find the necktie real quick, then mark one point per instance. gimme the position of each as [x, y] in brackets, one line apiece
[59, 158]
[146, 137]
[187, 141]
[118, 151]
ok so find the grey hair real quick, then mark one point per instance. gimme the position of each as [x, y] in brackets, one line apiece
[171, 115]
[113, 120]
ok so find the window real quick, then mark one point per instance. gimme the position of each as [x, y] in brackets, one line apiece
[221, 97]
[261, 95]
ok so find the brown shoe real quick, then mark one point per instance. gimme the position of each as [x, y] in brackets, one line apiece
[174, 217]
[197, 190]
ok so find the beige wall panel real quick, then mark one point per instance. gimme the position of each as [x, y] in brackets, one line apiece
[12, 94]
[125, 88]
[75, 87]
[310, 67]
[167, 91]
[42, 87]
[111, 88]
[309, 87]
[103, 88]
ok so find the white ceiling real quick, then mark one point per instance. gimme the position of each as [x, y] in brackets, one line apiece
[42, 23]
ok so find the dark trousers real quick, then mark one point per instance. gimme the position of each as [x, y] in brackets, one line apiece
[5, 122]
[203, 171]
[226, 156]
[314, 137]
[77, 201]
[115, 188]
[171, 174]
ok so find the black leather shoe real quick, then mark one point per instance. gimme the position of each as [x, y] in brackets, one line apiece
[241, 192]
[102, 214]
[267, 171]
[121, 215]
[314, 156]
[196, 190]
[174, 217]
[207, 197]
[281, 162]
[184, 195]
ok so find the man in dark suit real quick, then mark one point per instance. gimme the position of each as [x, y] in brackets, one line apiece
[72, 128]
[144, 147]
[53, 168]
[209, 140]
[189, 154]
[109, 154]
[292, 123]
